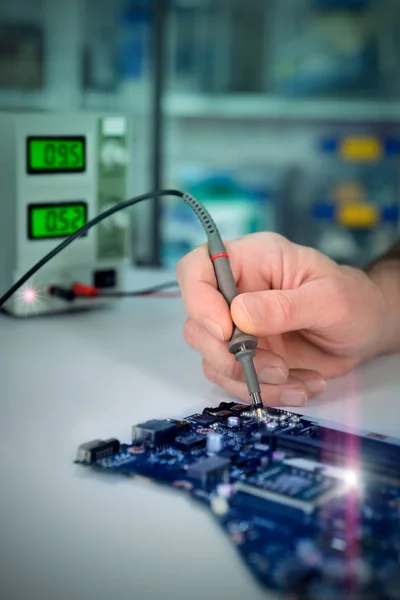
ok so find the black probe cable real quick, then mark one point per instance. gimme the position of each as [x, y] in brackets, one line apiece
[143, 292]
[91, 292]
[241, 344]
[81, 231]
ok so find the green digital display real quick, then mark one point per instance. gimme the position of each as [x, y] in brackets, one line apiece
[56, 155]
[55, 220]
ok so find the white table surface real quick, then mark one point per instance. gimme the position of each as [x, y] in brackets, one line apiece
[68, 534]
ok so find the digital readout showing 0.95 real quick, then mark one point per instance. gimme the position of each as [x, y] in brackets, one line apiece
[56, 155]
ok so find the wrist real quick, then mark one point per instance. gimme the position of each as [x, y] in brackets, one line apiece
[385, 274]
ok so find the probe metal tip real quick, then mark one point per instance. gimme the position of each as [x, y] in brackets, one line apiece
[257, 402]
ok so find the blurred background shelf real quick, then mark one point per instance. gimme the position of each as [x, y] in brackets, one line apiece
[256, 106]
[281, 115]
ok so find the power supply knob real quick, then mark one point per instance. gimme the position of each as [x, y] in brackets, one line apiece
[114, 155]
[118, 220]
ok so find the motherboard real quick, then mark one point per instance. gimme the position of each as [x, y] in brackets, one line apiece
[313, 511]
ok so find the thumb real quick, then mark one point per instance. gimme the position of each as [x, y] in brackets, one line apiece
[275, 312]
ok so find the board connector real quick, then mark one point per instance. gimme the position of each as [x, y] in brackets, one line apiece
[339, 447]
[97, 450]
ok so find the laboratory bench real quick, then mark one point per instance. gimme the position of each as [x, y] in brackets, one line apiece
[67, 533]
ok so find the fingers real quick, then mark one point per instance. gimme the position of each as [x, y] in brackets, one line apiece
[270, 367]
[278, 385]
[251, 271]
[287, 288]
[204, 304]
[313, 306]
[295, 393]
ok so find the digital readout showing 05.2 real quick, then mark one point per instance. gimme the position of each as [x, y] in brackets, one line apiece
[55, 220]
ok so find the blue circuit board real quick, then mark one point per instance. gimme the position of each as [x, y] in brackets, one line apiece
[313, 511]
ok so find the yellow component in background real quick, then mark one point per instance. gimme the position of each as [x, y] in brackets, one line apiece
[358, 216]
[365, 149]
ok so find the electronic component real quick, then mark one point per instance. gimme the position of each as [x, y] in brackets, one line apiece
[97, 450]
[208, 469]
[291, 518]
[203, 419]
[286, 510]
[298, 486]
[157, 432]
[377, 455]
[214, 443]
[226, 405]
[271, 426]
[190, 441]
[218, 412]
[233, 422]
[231, 454]
[238, 408]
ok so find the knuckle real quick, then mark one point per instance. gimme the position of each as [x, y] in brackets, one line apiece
[277, 238]
[211, 373]
[341, 300]
[286, 308]
[271, 237]
[229, 366]
[190, 262]
[181, 268]
[190, 332]
[276, 241]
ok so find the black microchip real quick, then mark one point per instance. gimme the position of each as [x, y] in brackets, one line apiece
[223, 414]
[217, 412]
[190, 441]
[237, 408]
[154, 432]
[203, 419]
[235, 457]
[230, 454]
[208, 468]
[180, 426]
[226, 405]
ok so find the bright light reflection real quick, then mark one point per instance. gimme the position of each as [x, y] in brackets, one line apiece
[352, 477]
[29, 295]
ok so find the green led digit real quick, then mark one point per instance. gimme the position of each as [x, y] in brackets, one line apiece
[56, 155]
[56, 220]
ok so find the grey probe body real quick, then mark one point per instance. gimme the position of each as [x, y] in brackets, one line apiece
[241, 344]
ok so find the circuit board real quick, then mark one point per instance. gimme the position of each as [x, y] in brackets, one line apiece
[313, 511]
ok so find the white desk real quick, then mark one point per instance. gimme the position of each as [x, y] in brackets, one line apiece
[67, 534]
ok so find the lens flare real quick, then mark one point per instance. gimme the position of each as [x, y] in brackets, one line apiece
[352, 477]
[29, 295]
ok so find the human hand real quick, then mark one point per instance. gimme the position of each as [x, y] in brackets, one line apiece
[314, 319]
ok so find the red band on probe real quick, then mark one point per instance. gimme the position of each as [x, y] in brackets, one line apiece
[220, 255]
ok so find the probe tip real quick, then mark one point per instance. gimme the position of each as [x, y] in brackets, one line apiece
[257, 402]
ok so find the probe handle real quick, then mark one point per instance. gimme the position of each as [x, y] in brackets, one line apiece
[227, 287]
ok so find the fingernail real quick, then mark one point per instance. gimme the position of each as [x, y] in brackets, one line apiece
[316, 386]
[272, 375]
[293, 398]
[253, 309]
[214, 328]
